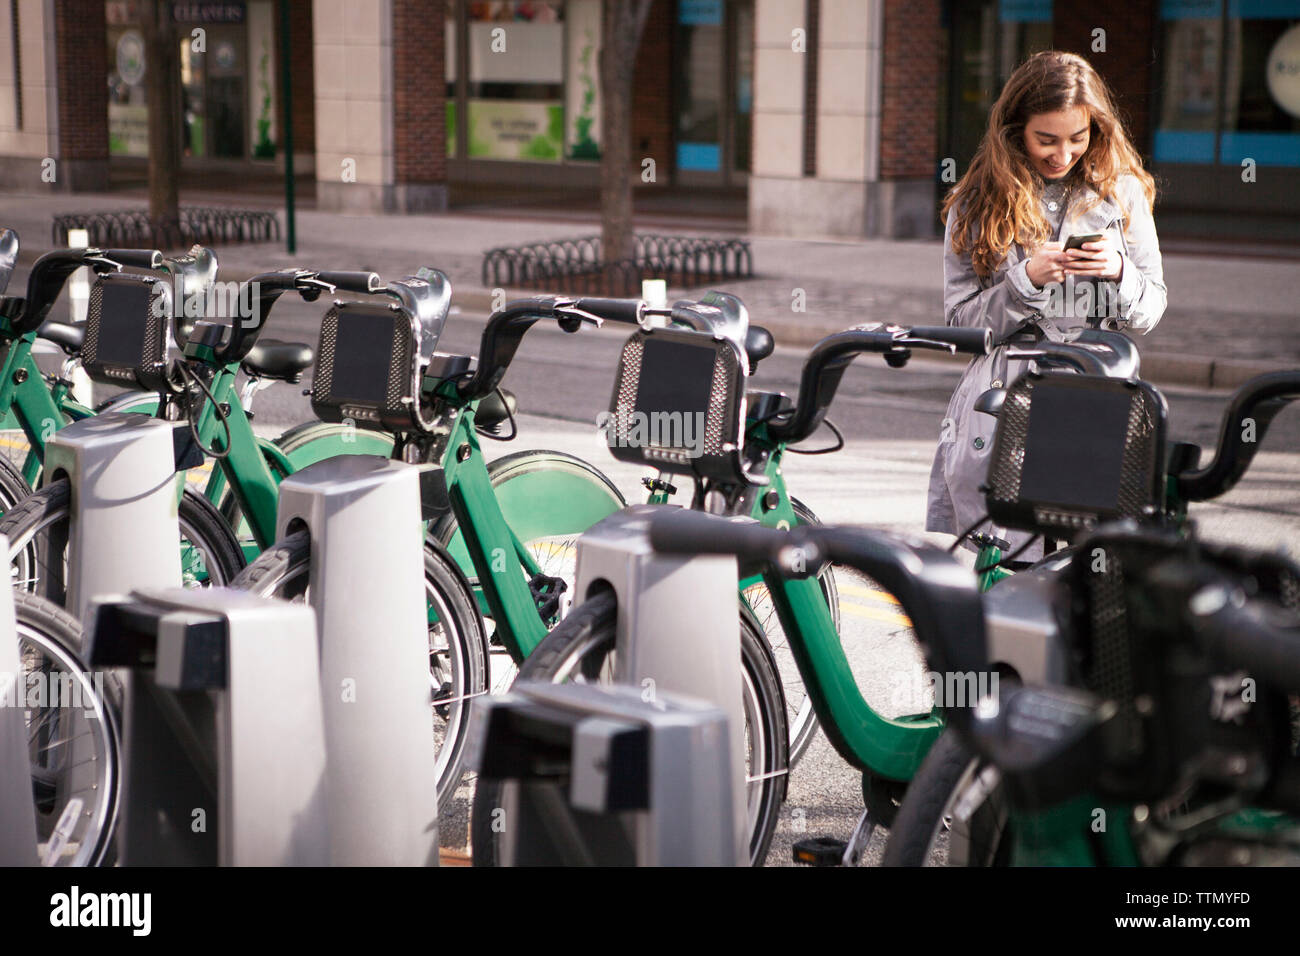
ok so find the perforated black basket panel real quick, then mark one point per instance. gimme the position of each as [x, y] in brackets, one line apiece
[678, 404]
[126, 331]
[364, 370]
[1072, 451]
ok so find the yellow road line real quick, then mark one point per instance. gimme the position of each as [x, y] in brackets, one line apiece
[883, 596]
[873, 614]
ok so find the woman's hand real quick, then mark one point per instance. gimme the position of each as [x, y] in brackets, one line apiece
[1046, 265]
[1099, 259]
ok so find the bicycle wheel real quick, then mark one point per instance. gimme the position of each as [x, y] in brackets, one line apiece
[582, 649]
[37, 530]
[927, 831]
[13, 487]
[549, 499]
[457, 647]
[798, 705]
[71, 737]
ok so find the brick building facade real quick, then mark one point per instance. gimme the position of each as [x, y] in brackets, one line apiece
[834, 117]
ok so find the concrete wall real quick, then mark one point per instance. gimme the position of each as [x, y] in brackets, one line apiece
[850, 195]
[353, 54]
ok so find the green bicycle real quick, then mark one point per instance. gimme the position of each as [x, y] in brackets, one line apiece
[742, 476]
[509, 520]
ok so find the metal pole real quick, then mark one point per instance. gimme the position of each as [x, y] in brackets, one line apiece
[286, 120]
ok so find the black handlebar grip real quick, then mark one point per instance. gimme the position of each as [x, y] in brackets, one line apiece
[1246, 637]
[135, 258]
[613, 310]
[362, 283]
[693, 532]
[975, 341]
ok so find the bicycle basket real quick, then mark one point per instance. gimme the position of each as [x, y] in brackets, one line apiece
[679, 404]
[1072, 451]
[126, 331]
[366, 367]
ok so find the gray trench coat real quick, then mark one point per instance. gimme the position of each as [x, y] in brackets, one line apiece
[1009, 304]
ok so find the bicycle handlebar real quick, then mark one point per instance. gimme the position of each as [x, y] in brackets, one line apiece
[361, 283]
[1249, 633]
[629, 311]
[1063, 353]
[135, 258]
[829, 358]
[936, 591]
[505, 329]
[1257, 402]
[51, 271]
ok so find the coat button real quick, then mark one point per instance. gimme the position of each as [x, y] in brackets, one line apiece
[979, 443]
[997, 383]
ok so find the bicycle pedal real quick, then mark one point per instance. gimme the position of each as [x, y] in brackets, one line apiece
[819, 851]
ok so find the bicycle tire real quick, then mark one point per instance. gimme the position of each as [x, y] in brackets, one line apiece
[46, 513]
[590, 629]
[51, 632]
[914, 837]
[283, 571]
[13, 486]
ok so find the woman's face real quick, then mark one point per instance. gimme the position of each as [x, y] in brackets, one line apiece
[1055, 141]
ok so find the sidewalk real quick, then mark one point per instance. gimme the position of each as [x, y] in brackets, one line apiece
[1228, 318]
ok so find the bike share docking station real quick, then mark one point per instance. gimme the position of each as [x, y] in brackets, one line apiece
[689, 794]
[18, 840]
[235, 752]
[654, 765]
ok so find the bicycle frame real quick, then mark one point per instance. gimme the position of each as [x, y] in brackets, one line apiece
[35, 406]
[504, 566]
[887, 747]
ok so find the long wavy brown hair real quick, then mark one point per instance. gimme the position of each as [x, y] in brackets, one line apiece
[997, 199]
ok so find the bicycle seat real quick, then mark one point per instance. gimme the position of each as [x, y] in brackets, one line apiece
[759, 344]
[492, 410]
[69, 336]
[271, 358]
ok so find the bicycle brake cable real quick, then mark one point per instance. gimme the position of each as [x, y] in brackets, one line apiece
[829, 448]
[191, 416]
[510, 417]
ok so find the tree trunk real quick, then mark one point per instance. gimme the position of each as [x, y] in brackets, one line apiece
[162, 88]
[622, 23]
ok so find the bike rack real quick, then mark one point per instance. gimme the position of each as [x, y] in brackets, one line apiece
[363, 513]
[222, 738]
[122, 530]
[17, 809]
[665, 604]
[635, 792]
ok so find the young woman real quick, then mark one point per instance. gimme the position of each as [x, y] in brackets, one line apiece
[1054, 163]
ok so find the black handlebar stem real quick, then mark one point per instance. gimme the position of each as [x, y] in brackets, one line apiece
[820, 378]
[505, 329]
[1245, 422]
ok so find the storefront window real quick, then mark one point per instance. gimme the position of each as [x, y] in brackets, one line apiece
[1231, 83]
[226, 100]
[988, 40]
[516, 80]
[698, 56]
[128, 113]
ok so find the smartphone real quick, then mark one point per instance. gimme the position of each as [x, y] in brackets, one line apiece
[1076, 242]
